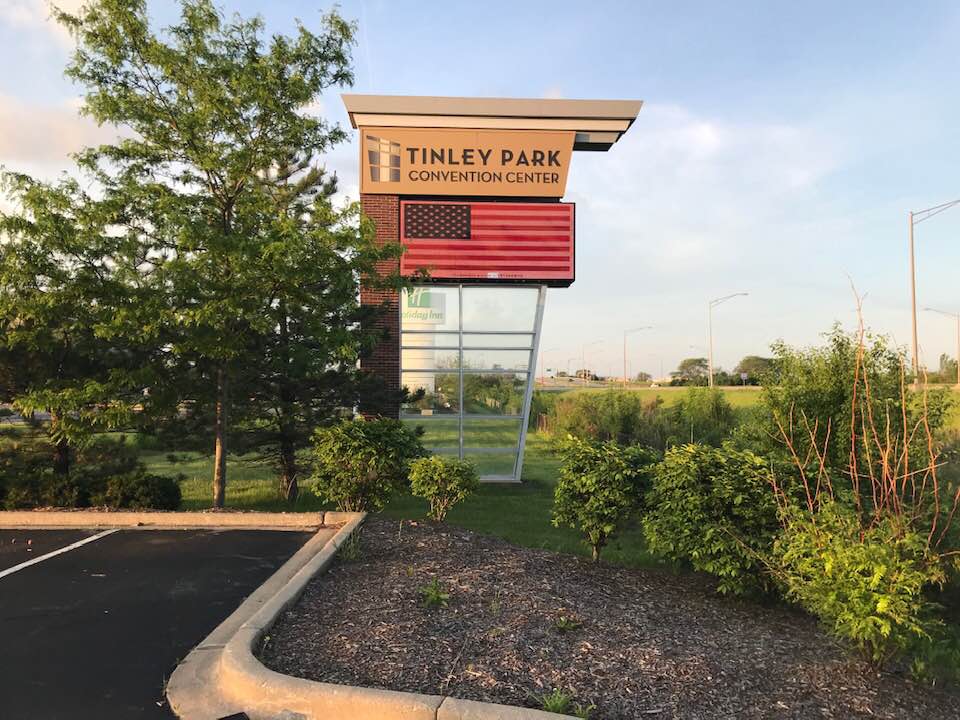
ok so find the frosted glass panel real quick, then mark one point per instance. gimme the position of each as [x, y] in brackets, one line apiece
[493, 464]
[493, 393]
[496, 359]
[499, 308]
[483, 433]
[430, 309]
[467, 351]
[441, 392]
[439, 434]
[485, 341]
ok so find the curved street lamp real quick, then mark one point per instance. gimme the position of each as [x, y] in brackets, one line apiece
[915, 218]
[713, 303]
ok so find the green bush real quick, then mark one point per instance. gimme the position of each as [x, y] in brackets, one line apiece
[867, 585]
[713, 508]
[617, 415]
[702, 415]
[444, 481]
[542, 403]
[825, 386]
[105, 472]
[360, 464]
[600, 484]
[138, 491]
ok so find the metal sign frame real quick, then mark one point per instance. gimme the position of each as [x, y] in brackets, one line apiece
[524, 417]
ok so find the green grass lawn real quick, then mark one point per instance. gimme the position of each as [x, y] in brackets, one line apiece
[738, 397]
[518, 513]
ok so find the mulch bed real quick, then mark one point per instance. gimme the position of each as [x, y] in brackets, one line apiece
[651, 644]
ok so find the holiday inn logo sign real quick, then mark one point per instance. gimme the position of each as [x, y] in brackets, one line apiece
[422, 306]
[454, 161]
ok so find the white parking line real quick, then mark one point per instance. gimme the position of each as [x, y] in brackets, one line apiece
[59, 551]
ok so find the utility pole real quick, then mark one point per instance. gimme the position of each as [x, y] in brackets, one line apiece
[625, 333]
[713, 303]
[583, 357]
[913, 310]
[915, 218]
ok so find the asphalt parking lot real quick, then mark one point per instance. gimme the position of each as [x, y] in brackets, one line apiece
[96, 630]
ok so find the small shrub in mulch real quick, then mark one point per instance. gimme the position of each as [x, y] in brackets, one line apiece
[358, 464]
[648, 643]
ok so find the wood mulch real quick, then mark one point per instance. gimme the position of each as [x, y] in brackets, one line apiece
[650, 643]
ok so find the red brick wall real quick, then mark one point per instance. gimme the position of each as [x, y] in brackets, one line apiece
[384, 210]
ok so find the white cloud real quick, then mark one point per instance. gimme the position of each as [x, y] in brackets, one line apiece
[41, 137]
[687, 207]
[315, 108]
[35, 16]
[683, 187]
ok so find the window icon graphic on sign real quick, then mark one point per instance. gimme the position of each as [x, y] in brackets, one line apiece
[384, 159]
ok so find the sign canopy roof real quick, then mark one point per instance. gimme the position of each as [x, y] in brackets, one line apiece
[596, 124]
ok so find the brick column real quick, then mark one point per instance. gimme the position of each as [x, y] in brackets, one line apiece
[384, 210]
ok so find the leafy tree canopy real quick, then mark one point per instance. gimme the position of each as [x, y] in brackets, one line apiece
[212, 243]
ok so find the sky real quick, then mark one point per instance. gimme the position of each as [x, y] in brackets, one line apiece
[778, 152]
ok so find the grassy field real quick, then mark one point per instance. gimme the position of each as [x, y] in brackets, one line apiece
[738, 397]
[518, 513]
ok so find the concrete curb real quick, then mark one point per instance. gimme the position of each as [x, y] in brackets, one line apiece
[75, 519]
[226, 661]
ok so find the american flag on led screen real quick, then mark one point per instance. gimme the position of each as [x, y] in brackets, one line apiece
[488, 240]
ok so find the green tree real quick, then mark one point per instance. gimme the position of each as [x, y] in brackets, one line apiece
[215, 119]
[755, 368]
[62, 275]
[691, 371]
[303, 371]
[946, 370]
[823, 390]
[600, 484]
[621, 416]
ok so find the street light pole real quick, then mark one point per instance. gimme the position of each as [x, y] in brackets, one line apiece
[713, 303]
[543, 355]
[915, 218]
[956, 316]
[625, 333]
[913, 309]
[710, 344]
[583, 355]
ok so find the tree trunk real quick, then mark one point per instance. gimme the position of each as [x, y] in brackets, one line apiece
[220, 433]
[61, 449]
[287, 421]
[288, 469]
